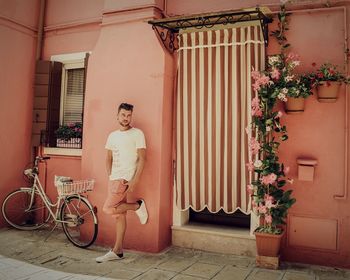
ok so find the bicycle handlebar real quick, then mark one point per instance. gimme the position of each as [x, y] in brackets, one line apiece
[42, 158]
[38, 158]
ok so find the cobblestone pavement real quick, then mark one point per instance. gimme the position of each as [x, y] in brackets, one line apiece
[26, 255]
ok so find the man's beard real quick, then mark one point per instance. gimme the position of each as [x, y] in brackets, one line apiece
[124, 124]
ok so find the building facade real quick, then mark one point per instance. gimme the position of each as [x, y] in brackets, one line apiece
[109, 51]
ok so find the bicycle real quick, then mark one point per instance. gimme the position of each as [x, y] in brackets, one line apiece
[30, 208]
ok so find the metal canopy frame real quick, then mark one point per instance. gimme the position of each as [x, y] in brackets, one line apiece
[168, 28]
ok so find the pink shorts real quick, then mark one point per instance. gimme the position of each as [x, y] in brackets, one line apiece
[116, 195]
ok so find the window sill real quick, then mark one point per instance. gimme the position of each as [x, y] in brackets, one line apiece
[63, 151]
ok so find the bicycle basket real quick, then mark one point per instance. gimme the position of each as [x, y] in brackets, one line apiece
[65, 187]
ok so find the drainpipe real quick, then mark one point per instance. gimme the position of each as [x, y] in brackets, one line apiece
[37, 150]
[40, 30]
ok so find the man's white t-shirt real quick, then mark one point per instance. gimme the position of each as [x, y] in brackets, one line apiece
[124, 145]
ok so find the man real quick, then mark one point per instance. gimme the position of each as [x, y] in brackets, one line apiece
[126, 155]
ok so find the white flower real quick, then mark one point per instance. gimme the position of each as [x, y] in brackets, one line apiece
[281, 96]
[268, 128]
[273, 59]
[258, 163]
[289, 78]
[284, 91]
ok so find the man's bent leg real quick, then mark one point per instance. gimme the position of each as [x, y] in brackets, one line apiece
[122, 207]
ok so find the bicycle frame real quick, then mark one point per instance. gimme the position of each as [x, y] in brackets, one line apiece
[39, 188]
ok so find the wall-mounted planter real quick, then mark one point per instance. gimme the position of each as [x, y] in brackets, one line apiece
[327, 92]
[294, 105]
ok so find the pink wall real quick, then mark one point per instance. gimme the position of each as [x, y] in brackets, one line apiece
[319, 132]
[17, 56]
[65, 12]
[20, 11]
[132, 71]
[111, 5]
[109, 65]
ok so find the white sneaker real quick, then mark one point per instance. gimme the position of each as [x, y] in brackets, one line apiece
[110, 256]
[142, 212]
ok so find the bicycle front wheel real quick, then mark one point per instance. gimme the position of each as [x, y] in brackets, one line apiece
[24, 209]
[79, 221]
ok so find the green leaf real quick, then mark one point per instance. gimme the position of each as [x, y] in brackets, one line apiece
[281, 183]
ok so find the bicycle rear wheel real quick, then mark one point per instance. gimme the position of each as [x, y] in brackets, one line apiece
[24, 209]
[79, 221]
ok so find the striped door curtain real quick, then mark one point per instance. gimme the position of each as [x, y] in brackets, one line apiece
[213, 108]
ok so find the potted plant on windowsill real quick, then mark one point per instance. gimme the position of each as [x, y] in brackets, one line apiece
[327, 81]
[69, 136]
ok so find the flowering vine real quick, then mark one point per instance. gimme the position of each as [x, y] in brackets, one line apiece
[269, 199]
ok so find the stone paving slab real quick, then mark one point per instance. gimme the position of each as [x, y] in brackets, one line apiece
[25, 255]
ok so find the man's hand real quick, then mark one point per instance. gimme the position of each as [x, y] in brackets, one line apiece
[131, 185]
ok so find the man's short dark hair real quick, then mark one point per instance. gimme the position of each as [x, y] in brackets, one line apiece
[125, 106]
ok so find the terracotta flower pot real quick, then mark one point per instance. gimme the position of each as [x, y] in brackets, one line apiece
[268, 244]
[295, 105]
[328, 91]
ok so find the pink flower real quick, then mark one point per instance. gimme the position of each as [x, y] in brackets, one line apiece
[260, 80]
[292, 56]
[255, 75]
[269, 179]
[264, 80]
[250, 189]
[257, 112]
[268, 219]
[275, 74]
[255, 102]
[279, 114]
[254, 205]
[262, 209]
[286, 170]
[268, 199]
[250, 166]
[254, 146]
[256, 87]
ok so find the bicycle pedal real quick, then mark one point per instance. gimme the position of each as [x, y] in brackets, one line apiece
[71, 224]
[71, 216]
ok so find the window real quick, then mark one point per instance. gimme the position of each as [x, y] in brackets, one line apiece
[58, 98]
[72, 93]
